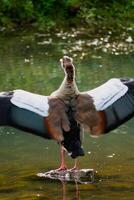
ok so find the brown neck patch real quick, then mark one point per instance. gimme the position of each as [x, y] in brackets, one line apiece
[70, 73]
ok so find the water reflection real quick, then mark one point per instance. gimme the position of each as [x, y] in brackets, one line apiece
[76, 194]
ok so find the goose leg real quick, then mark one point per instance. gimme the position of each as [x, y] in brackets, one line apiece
[75, 167]
[62, 157]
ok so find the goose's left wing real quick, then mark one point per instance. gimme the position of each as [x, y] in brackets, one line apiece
[114, 102]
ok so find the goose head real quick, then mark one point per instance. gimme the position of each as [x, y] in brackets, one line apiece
[67, 63]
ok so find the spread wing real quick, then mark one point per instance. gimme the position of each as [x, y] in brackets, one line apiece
[114, 104]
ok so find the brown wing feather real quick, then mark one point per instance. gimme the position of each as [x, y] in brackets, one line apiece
[57, 121]
[100, 127]
[87, 115]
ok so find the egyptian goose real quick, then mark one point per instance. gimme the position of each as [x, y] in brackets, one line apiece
[61, 118]
[80, 105]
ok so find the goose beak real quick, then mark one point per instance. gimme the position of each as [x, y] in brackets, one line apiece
[61, 63]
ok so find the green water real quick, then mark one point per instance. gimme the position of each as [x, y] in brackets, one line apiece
[29, 64]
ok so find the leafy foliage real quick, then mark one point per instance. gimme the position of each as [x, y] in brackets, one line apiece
[55, 13]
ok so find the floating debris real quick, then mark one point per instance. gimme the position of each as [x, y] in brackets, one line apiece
[27, 60]
[129, 39]
[104, 49]
[96, 57]
[45, 42]
[42, 34]
[111, 156]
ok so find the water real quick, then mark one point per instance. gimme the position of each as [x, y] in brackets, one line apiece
[29, 63]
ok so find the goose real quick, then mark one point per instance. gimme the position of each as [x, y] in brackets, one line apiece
[62, 116]
[81, 112]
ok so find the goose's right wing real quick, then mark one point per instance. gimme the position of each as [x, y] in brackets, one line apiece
[114, 102]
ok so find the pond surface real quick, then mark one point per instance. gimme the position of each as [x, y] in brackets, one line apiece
[31, 62]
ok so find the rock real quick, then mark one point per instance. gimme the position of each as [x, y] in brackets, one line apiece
[83, 176]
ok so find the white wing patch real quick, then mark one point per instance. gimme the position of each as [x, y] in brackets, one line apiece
[106, 94]
[30, 101]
